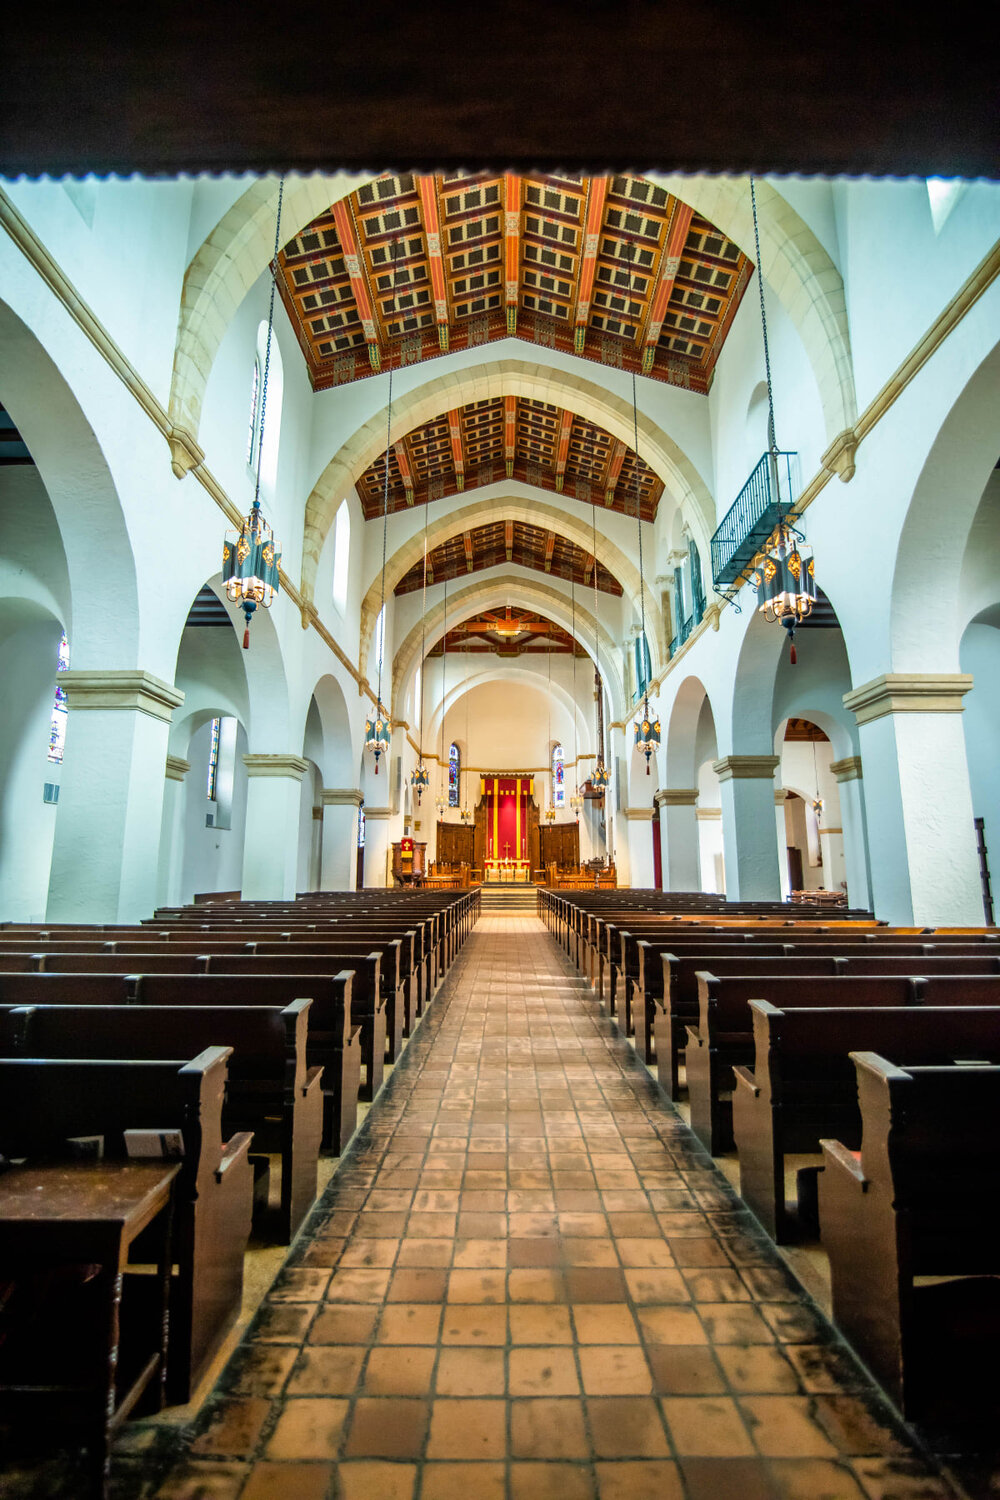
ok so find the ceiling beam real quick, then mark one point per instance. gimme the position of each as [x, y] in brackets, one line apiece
[614, 468]
[405, 472]
[427, 188]
[457, 451]
[509, 433]
[354, 261]
[508, 539]
[550, 547]
[676, 239]
[562, 447]
[469, 557]
[512, 247]
[588, 259]
[588, 567]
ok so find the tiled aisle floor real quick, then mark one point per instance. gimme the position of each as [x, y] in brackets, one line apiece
[528, 1281]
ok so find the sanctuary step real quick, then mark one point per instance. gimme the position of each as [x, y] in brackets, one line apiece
[508, 897]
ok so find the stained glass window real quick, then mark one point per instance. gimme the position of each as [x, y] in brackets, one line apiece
[60, 710]
[254, 397]
[558, 782]
[361, 826]
[213, 760]
[454, 774]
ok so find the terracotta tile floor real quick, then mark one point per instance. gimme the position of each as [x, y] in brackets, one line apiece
[528, 1281]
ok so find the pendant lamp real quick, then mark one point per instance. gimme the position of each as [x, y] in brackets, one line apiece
[647, 727]
[420, 780]
[378, 729]
[600, 776]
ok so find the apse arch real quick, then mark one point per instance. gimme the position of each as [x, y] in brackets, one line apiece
[482, 677]
[489, 381]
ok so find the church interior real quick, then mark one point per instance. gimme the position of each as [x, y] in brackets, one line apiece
[400, 741]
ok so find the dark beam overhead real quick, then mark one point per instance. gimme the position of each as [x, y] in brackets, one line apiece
[848, 86]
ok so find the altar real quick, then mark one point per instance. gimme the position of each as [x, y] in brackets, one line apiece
[507, 869]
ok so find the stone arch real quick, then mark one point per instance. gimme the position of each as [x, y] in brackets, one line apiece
[682, 734]
[488, 593]
[338, 749]
[799, 272]
[931, 554]
[507, 377]
[482, 678]
[225, 267]
[104, 620]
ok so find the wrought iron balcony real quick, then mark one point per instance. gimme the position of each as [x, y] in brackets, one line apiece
[759, 506]
[683, 633]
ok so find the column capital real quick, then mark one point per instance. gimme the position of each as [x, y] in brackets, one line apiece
[848, 769]
[908, 693]
[780, 796]
[746, 767]
[177, 768]
[677, 796]
[707, 814]
[129, 688]
[638, 814]
[341, 796]
[373, 814]
[292, 766]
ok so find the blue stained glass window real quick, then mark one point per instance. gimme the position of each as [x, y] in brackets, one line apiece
[361, 826]
[454, 774]
[213, 760]
[60, 709]
[558, 778]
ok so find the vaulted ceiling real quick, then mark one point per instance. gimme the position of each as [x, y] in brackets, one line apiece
[514, 438]
[614, 269]
[507, 632]
[516, 542]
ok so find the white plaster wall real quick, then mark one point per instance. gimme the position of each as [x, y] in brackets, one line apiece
[981, 721]
[213, 857]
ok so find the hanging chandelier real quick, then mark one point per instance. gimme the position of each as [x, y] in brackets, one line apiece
[378, 729]
[442, 797]
[784, 574]
[464, 769]
[250, 561]
[420, 779]
[647, 728]
[576, 798]
[600, 776]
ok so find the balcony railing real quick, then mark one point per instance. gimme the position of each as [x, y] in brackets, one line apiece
[759, 506]
[683, 634]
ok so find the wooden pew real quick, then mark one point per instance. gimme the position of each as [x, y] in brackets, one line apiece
[678, 1006]
[803, 1086]
[270, 1091]
[918, 1201]
[45, 1102]
[724, 1036]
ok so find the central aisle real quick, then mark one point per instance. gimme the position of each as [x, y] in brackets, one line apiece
[530, 1282]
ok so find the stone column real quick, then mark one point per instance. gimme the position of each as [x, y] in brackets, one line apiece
[377, 840]
[918, 804]
[172, 833]
[857, 862]
[638, 825]
[107, 837]
[271, 836]
[679, 838]
[746, 787]
[339, 868]
[711, 858]
[785, 879]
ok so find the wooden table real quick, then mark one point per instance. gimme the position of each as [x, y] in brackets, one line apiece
[65, 1235]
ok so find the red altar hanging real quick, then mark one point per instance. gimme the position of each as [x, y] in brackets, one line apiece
[506, 816]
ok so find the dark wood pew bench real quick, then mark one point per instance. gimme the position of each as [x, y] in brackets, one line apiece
[803, 1086]
[271, 1091]
[44, 1103]
[918, 1200]
[724, 1037]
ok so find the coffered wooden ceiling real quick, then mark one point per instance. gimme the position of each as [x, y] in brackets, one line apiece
[614, 269]
[509, 542]
[507, 632]
[514, 438]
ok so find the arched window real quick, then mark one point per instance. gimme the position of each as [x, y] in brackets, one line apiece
[641, 667]
[60, 711]
[454, 774]
[418, 688]
[361, 825]
[558, 778]
[271, 412]
[341, 555]
[213, 760]
[379, 642]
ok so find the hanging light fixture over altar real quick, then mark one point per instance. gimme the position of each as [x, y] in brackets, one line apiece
[250, 561]
[647, 726]
[420, 779]
[784, 572]
[378, 729]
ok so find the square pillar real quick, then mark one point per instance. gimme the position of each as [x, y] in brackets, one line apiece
[780, 798]
[857, 864]
[339, 865]
[749, 836]
[107, 836]
[679, 838]
[924, 865]
[271, 836]
[640, 845]
[377, 873]
[172, 833]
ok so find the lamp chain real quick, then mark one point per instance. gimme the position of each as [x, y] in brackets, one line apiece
[270, 330]
[771, 439]
[638, 514]
[423, 639]
[385, 496]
